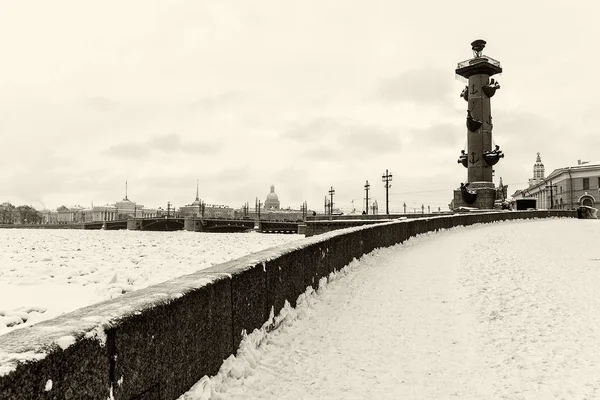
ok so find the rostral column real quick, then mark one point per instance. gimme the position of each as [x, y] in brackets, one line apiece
[480, 157]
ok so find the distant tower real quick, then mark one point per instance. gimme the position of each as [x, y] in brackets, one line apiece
[272, 201]
[197, 202]
[538, 171]
[480, 155]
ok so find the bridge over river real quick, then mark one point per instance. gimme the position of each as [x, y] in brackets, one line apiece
[211, 225]
[222, 225]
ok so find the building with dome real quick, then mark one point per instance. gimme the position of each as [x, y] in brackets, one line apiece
[127, 208]
[272, 201]
[121, 210]
[565, 188]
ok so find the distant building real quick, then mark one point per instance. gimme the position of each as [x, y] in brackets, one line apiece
[67, 215]
[147, 213]
[123, 209]
[566, 187]
[218, 211]
[49, 216]
[272, 201]
[194, 209]
[104, 213]
[538, 171]
[127, 208]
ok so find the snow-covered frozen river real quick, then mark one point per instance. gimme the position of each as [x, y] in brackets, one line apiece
[44, 273]
[500, 311]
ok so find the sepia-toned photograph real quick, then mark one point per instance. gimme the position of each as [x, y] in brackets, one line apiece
[299, 200]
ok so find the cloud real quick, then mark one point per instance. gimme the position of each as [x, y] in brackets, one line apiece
[100, 103]
[221, 101]
[128, 150]
[440, 135]
[326, 137]
[424, 86]
[171, 143]
[56, 178]
[315, 130]
[318, 153]
[371, 138]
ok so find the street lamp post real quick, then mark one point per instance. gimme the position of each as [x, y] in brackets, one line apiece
[387, 179]
[367, 186]
[331, 193]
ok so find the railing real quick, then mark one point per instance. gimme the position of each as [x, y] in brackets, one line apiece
[483, 58]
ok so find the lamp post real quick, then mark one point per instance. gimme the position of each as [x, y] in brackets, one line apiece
[259, 207]
[367, 186]
[387, 179]
[331, 193]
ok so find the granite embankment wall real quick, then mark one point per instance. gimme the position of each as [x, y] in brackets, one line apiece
[157, 342]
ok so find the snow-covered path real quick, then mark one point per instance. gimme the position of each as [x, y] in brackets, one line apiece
[503, 311]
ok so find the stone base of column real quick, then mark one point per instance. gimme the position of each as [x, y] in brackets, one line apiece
[485, 199]
[481, 185]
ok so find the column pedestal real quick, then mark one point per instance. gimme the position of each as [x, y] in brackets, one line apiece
[486, 196]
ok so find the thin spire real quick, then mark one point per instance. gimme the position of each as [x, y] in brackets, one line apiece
[197, 185]
[125, 191]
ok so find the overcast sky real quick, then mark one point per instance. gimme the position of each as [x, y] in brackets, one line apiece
[303, 95]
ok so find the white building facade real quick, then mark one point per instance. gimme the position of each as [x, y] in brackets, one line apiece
[566, 188]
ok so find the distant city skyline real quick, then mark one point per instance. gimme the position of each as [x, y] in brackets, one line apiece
[303, 96]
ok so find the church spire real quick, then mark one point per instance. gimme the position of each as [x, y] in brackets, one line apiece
[197, 186]
[125, 191]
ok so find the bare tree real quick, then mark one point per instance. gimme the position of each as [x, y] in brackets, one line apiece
[7, 213]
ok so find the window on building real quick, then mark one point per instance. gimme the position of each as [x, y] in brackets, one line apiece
[586, 183]
[560, 187]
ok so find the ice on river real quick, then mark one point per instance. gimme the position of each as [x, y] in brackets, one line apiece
[44, 273]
